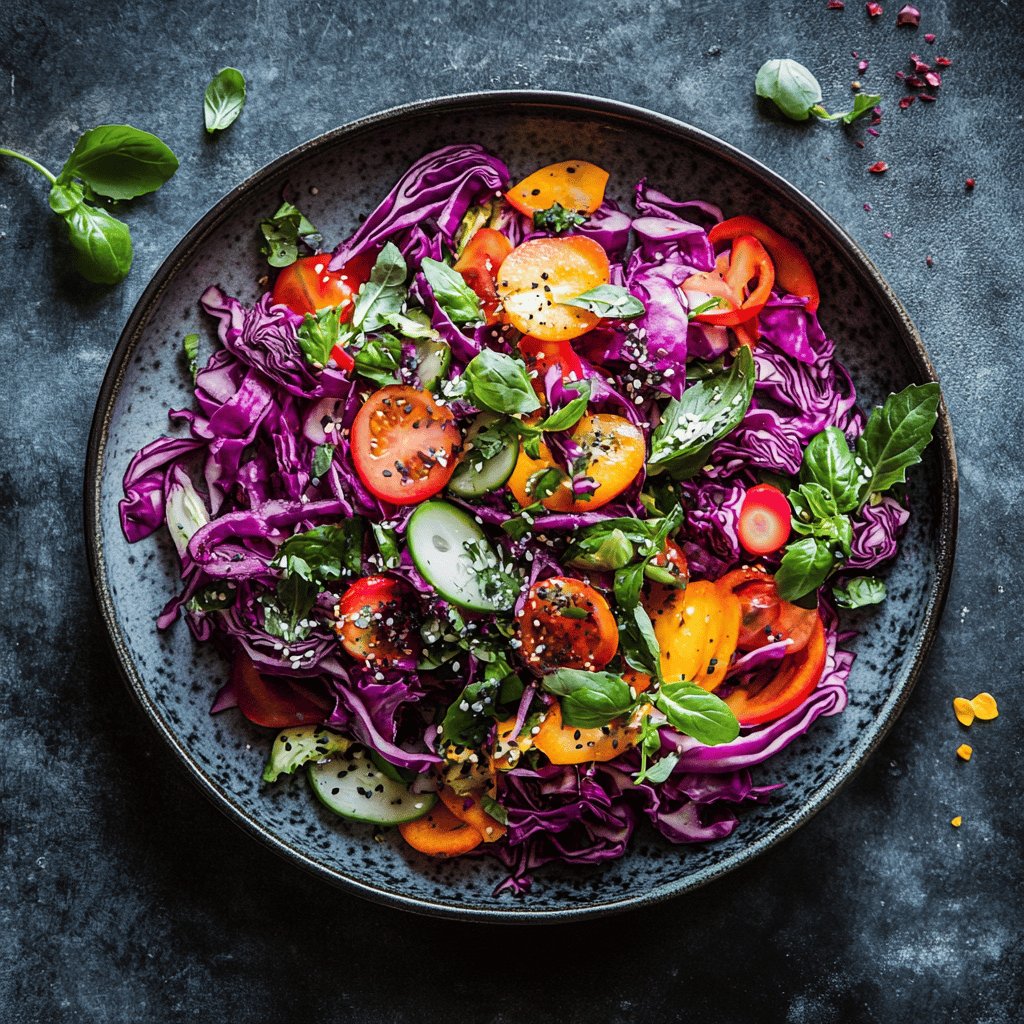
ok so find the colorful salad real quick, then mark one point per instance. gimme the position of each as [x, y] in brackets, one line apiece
[524, 518]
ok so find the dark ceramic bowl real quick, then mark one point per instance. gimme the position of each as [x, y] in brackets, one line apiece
[352, 167]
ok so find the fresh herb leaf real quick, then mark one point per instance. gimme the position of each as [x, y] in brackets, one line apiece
[859, 592]
[212, 597]
[790, 86]
[379, 359]
[322, 459]
[628, 582]
[318, 334]
[863, 103]
[102, 244]
[500, 383]
[572, 612]
[452, 293]
[606, 549]
[706, 412]
[693, 711]
[475, 218]
[469, 719]
[804, 567]
[610, 301]
[544, 483]
[284, 615]
[387, 544]
[829, 463]
[413, 324]
[638, 644]
[657, 772]
[699, 369]
[324, 554]
[895, 436]
[556, 219]
[190, 346]
[705, 307]
[224, 99]
[494, 809]
[383, 294]
[282, 234]
[119, 161]
[570, 413]
[589, 699]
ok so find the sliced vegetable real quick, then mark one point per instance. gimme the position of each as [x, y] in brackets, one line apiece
[792, 271]
[307, 286]
[295, 747]
[541, 355]
[440, 834]
[788, 688]
[479, 265]
[764, 524]
[456, 558]
[538, 276]
[433, 358]
[470, 809]
[573, 184]
[765, 617]
[564, 744]
[352, 786]
[377, 621]
[276, 702]
[481, 470]
[742, 280]
[404, 444]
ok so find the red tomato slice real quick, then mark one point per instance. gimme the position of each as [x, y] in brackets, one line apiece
[307, 285]
[743, 280]
[764, 524]
[555, 634]
[792, 271]
[764, 616]
[274, 701]
[479, 264]
[797, 676]
[673, 558]
[541, 355]
[376, 620]
[404, 444]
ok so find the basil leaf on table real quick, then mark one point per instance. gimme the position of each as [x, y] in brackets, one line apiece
[500, 383]
[706, 412]
[282, 233]
[609, 300]
[119, 161]
[692, 710]
[102, 244]
[452, 293]
[383, 294]
[589, 699]
[804, 567]
[860, 592]
[790, 86]
[223, 99]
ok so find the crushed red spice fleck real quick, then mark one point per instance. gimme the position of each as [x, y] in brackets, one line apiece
[929, 261]
[929, 37]
[868, 207]
[928, 97]
[943, 62]
[835, 5]
[874, 132]
[933, 78]
[970, 183]
[908, 16]
[906, 101]
[887, 234]
[862, 66]
[878, 167]
[874, 10]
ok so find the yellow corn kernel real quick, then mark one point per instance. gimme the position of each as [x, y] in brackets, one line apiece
[957, 821]
[984, 706]
[964, 710]
[964, 752]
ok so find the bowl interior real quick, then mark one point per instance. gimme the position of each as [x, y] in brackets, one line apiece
[335, 180]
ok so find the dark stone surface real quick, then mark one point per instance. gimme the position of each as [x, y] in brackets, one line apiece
[124, 895]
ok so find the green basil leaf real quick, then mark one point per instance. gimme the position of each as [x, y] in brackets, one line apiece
[589, 699]
[610, 301]
[65, 197]
[318, 334]
[190, 346]
[387, 544]
[293, 600]
[804, 567]
[383, 294]
[324, 554]
[212, 597]
[102, 244]
[379, 359]
[500, 383]
[638, 644]
[829, 462]
[452, 293]
[322, 459]
[790, 86]
[863, 103]
[602, 549]
[700, 369]
[657, 772]
[544, 483]
[412, 324]
[706, 412]
[470, 717]
[628, 582]
[224, 99]
[693, 711]
[895, 436]
[119, 161]
[811, 502]
[494, 809]
[859, 592]
[570, 413]
[282, 234]
[556, 219]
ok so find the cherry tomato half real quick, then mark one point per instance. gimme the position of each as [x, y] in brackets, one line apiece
[764, 617]
[764, 524]
[376, 620]
[274, 701]
[567, 624]
[540, 356]
[307, 285]
[479, 264]
[404, 444]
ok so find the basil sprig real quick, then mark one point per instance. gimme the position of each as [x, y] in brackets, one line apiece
[796, 92]
[500, 383]
[589, 699]
[190, 346]
[860, 592]
[556, 219]
[112, 161]
[282, 233]
[223, 99]
[610, 301]
[452, 293]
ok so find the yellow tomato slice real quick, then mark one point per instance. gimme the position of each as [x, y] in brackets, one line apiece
[615, 452]
[565, 744]
[537, 278]
[575, 184]
[697, 630]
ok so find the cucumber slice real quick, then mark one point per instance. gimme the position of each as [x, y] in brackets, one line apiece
[294, 747]
[353, 787]
[433, 358]
[473, 478]
[457, 560]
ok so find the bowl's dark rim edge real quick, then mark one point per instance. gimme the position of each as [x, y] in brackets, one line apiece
[527, 100]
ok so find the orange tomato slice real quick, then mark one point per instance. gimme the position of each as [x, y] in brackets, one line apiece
[538, 276]
[615, 451]
[565, 744]
[470, 810]
[575, 184]
[440, 834]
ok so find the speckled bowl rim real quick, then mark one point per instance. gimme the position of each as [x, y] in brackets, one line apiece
[622, 115]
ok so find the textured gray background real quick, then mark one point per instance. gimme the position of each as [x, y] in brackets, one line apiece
[124, 895]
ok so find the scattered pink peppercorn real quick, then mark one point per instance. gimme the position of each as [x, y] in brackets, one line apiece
[929, 37]
[933, 78]
[873, 132]
[879, 167]
[919, 65]
[868, 207]
[859, 143]
[929, 261]
[970, 183]
[901, 75]
[874, 10]
[908, 16]
[835, 5]
[927, 97]
[943, 62]
[906, 101]
[887, 234]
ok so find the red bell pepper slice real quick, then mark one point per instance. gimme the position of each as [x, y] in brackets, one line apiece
[743, 281]
[792, 271]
